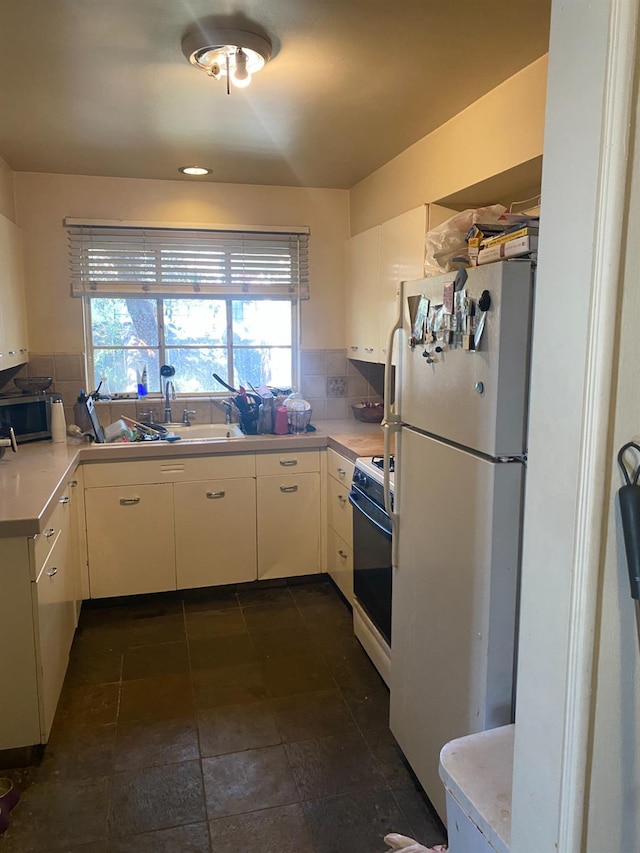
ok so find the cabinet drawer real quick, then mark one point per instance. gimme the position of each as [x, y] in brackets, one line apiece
[339, 510]
[339, 467]
[340, 564]
[43, 542]
[171, 470]
[289, 462]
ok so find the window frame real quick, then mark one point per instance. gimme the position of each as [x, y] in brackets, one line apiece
[90, 349]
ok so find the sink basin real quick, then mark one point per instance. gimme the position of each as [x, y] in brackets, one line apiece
[204, 431]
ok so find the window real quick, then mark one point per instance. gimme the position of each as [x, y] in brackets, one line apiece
[242, 340]
[204, 301]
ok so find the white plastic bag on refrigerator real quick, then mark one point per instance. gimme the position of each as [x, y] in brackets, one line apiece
[449, 240]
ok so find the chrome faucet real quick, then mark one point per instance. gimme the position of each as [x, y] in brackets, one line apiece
[169, 394]
[228, 411]
[185, 416]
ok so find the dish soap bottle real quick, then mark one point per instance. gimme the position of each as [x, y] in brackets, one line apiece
[142, 382]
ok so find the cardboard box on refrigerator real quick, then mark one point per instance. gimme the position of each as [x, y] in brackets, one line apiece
[511, 249]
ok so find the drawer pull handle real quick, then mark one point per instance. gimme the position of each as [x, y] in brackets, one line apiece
[73, 484]
[342, 472]
[353, 348]
[64, 500]
[287, 463]
[48, 533]
[13, 352]
[342, 499]
[342, 554]
[52, 572]
[368, 349]
[288, 488]
[215, 495]
[129, 501]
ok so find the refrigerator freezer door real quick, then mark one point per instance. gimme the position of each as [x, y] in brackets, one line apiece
[475, 399]
[454, 600]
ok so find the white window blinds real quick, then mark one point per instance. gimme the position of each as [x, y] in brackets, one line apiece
[112, 260]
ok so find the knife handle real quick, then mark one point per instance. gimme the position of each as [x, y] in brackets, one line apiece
[629, 500]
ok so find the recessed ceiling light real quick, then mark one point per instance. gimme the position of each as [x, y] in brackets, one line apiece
[194, 170]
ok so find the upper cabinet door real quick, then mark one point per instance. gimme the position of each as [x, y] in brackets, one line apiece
[363, 293]
[13, 329]
[401, 259]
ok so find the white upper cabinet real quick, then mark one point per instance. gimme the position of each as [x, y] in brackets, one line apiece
[378, 260]
[363, 291]
[13, 317]
[401, 259]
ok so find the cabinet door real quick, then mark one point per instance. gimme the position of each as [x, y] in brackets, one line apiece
[215, 523]
[130, 539]
[363, 284]
[55, 622]
[401, 259]
[13, 339]
[288, 525]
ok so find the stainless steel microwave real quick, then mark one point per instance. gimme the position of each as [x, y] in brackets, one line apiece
[28, 414]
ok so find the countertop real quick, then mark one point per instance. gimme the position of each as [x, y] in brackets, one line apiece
[361, 444]
[32, 479]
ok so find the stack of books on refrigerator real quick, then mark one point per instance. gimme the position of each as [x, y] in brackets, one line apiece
[518, 241]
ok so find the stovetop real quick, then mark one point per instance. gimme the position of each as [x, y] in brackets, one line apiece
[378, 461]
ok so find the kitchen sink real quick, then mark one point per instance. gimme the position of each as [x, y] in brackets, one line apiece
[204, 431]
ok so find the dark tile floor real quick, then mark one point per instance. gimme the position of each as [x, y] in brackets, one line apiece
[220, 720]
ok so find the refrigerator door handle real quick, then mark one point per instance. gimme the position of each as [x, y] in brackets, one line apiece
[391, 423]
[390, 416]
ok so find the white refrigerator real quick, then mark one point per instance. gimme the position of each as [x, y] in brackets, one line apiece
[459, 416]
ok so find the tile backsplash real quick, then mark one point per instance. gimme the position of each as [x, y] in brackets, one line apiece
[332, 383]
[329, 381]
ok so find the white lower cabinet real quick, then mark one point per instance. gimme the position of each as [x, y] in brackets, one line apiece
[215, 525]
[258, 516]
[288, 525]
[37, 624]
[340, 523]
[156, 525]
[130, 539]
[55, 617]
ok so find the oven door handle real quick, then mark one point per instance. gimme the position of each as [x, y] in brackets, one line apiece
[375, 522]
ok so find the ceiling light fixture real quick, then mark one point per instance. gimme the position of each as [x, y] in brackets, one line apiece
[233, 54]
[194, 170]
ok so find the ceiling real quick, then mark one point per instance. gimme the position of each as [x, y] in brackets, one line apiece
[101, 87]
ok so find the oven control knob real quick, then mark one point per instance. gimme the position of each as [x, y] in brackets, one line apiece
[360, 478]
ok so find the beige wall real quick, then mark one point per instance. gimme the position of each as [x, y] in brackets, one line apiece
[43, 200]
[7, 203]
[498, 132]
